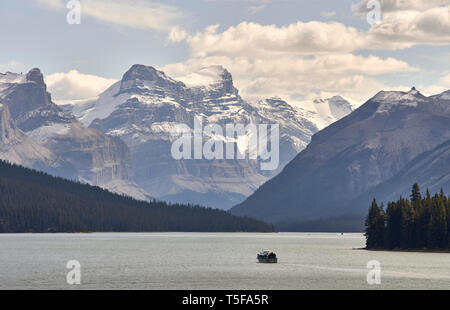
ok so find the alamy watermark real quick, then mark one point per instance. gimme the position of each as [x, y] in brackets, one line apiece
[374, 273]
[240, 140]
[73, 17]
[73, 277]
[374, 15]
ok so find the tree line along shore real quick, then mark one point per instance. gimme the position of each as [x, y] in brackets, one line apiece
[418, 223]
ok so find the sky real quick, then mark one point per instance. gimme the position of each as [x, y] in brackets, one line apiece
[293, 49]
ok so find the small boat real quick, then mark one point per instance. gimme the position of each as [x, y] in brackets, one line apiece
[267, 257]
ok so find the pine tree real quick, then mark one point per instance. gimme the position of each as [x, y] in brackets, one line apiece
[416, 197]
[407, 224]
[375, 226]
[393, 225]
[423, 222]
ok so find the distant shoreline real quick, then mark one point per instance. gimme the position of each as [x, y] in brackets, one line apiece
[406, 250]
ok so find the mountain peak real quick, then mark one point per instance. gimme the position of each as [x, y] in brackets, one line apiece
[141, 79]
[210, 75]
[336, 98]
[275, 99]
[445, 95]
[398, 96]
[35, 75]
[143, 73]
[414, 91]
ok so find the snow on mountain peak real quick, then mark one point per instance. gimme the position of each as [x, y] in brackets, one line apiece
[444, 96]
[138, 74]
[144, 73]
[399, 97]
[206, 76]
[10, 77]
[323, 112]
[390, 99]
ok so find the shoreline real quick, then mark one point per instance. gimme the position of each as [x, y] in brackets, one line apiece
[406, 250]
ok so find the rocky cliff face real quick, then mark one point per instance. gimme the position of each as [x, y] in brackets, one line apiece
[92, 156]
[146, 104]
[345, 163]
[17, 148]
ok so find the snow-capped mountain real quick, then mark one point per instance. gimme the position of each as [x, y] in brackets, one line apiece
[17, 148]
[121, 140]
[38, 134]
[144, 106]
[393, 140]
[323, 112]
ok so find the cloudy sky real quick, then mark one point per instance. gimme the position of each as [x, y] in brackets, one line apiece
[295, 49]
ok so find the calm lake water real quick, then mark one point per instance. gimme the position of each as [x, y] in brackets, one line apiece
[211, 261]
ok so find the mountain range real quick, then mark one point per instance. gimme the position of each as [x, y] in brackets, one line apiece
[142, 108]
[334, 157]
[379, 150]
[36, 133]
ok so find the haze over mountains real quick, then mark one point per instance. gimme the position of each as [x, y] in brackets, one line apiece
[38, 134]
[392, 141]
[121, 141]
[144, 106]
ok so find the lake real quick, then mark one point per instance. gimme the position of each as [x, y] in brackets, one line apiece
[211, 261]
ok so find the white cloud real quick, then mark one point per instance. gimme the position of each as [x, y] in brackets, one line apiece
[177, 35]
[403, 29]
[74, 85]
[12, 66]
[446, 80]
[328, 14]
[397, 30]
[254, 39]
[442, 85]
[52, 4]
[314, 57]
[288, 76]
[135, 14]
[256, 8]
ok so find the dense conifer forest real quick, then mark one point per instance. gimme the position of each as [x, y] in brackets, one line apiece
[32, 201]
[415, 223]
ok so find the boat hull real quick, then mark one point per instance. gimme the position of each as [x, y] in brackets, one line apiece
[265, 260]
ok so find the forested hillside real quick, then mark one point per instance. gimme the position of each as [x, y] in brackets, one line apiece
[32, 201]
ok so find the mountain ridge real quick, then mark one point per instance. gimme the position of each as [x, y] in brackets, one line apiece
[127, 145]
[352, 156]
[87, 154]
[153, 103]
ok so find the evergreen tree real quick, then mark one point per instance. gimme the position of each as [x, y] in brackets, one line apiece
[411, 224]
[375, 226]
[394, 225]
[439, 226]
[32, 201]
[415, 195]
[407, 224]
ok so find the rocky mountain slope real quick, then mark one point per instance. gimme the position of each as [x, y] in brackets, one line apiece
[18, 148]
[393, 140]
[122, 139]
[37, 133]
[146, 104]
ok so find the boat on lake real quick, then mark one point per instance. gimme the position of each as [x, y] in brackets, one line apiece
[267, 257]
